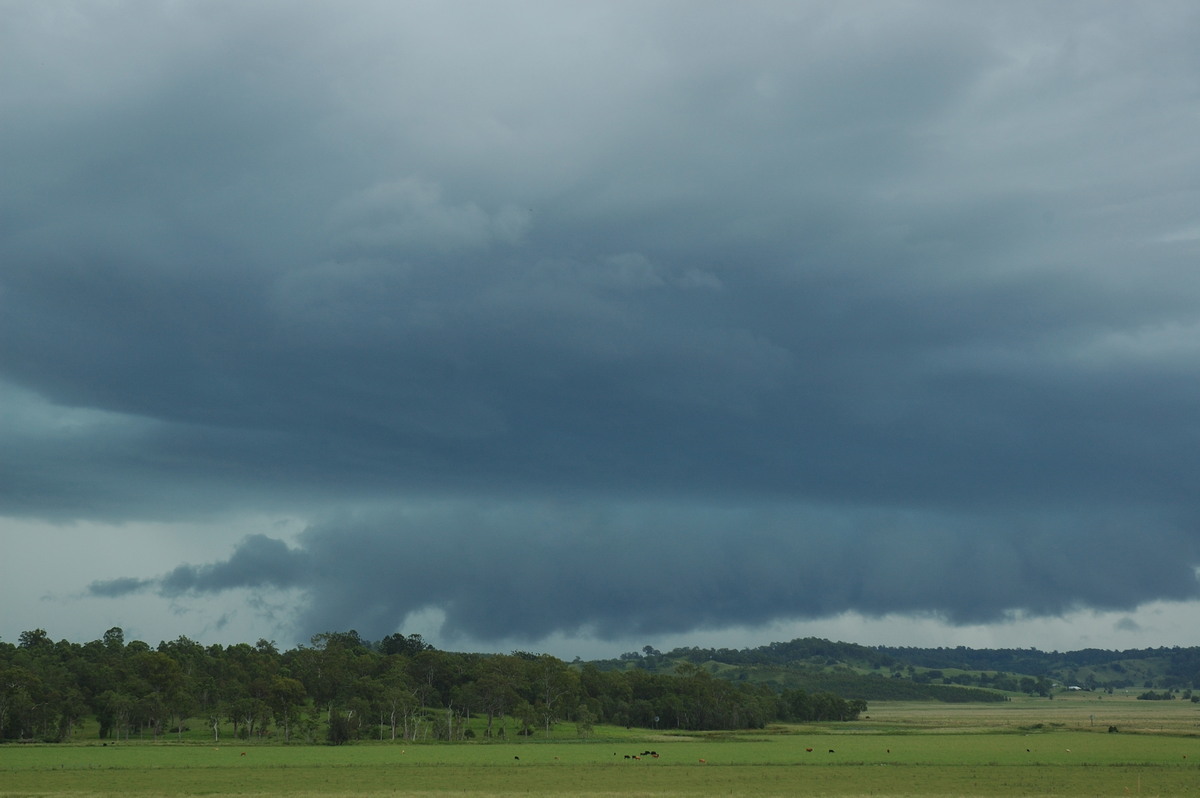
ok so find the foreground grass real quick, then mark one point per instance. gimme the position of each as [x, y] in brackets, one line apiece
[675, 781]
[1056, 748]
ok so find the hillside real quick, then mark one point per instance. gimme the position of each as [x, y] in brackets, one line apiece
[942, 674]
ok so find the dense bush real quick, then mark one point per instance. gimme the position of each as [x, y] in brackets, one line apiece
[341, 687]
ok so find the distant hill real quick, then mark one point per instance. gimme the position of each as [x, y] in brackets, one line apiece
[942, 674]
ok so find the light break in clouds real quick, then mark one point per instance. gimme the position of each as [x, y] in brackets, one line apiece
[595, 324]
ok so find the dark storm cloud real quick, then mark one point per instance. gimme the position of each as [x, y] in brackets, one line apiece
[526, 571]
[656, 570]
[119, 587]
[676, 316]
[259, 561]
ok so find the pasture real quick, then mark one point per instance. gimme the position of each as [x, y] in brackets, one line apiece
[1033, 747]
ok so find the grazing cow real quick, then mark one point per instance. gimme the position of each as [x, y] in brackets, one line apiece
[516, 757]
[808, 749]
[703, 761]
[831, 750]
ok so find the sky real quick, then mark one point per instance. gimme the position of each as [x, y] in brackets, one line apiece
[579, 327]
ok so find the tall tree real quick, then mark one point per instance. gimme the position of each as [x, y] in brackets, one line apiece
[554, 686]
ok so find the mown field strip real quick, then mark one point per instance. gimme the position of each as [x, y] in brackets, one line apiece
[584, 780]
[1049, 763]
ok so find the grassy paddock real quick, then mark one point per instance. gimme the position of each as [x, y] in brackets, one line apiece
[1045, 748]
[1082, 711]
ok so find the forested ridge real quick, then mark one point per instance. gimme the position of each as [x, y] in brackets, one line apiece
[887, 672]
[342, 687]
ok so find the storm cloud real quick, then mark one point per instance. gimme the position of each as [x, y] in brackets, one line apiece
[611, 319]
[528, 570]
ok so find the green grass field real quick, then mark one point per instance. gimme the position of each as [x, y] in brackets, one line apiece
[1059, 747]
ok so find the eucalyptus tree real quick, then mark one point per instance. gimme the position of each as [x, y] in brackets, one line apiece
[398, 700]
[286, 698]
[498, 683]
[330, 666]
[554, 687]
[18, 684]
[159, 684]
[247, 683]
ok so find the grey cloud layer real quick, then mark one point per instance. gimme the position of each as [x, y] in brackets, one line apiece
[882, 288]
[529, 570]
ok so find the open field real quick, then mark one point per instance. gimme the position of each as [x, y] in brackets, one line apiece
[1058, 747]
[1080, 711]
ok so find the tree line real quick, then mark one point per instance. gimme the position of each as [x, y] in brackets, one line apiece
[1026, 670]
[1172, 667]
[821, 666]
[342, 687]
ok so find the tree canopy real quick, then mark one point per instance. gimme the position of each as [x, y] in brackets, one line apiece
[341, 687]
